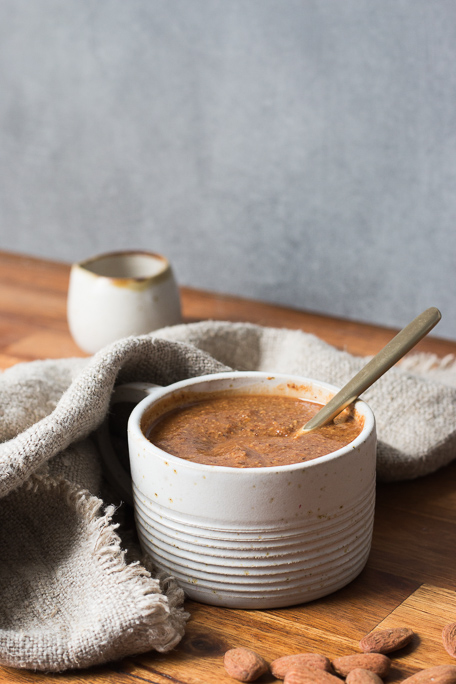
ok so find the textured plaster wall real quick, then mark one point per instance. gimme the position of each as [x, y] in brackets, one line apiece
[301, 152]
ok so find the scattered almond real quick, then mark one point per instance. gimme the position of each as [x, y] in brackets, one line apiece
[309, 675]
[361, 676]
[386, 640]
[375, 662]
[449, 639]
[440, 674]
[244, 664]
[280, 666]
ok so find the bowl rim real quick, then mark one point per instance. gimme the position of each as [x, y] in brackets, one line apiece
[135, 419]
[86, 264]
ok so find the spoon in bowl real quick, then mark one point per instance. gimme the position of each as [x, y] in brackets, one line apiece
[403, 342]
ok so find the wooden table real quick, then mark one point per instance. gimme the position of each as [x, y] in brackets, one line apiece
[410, 578]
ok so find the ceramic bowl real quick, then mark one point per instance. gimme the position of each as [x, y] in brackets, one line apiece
[254, 537]
[118, 294]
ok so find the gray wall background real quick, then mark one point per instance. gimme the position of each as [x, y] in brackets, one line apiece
[297, 151]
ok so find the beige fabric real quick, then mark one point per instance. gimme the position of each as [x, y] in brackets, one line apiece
[69, 597]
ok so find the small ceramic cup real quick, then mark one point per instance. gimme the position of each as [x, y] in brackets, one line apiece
[118, 294]
[249, 537]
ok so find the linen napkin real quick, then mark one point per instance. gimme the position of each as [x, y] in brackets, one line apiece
[72, 594]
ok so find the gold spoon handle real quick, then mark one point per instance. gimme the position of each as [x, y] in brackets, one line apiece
[404, 341]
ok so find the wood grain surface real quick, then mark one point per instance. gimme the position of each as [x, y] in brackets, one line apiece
[409, 580]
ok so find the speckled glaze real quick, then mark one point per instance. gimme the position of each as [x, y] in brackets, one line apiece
[259, 537]
[118, 294]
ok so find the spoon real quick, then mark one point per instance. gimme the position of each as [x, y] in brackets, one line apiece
[405, 340]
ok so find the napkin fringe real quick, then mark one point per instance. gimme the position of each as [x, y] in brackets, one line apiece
[159, 621]
[427, 363]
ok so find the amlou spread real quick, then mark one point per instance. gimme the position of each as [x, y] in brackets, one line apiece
[247, 430]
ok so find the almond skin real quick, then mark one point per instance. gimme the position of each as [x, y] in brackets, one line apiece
[386, 640]
[449, 639]
[309, 675]
[375, 662]
[280, 666]
[440, 674]
[244, 664]
[360, 676]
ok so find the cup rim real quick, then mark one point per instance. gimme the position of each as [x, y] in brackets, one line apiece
[85, 263]
[134, 424]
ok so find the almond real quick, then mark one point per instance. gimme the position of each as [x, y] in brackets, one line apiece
[244, 664]
[280, 666]
[360, 676]
[440, 674]
[375, 662]
[386, 640]
[449, 639]
[309, 675]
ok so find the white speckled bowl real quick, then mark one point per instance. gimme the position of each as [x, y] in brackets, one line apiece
[255, 537]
